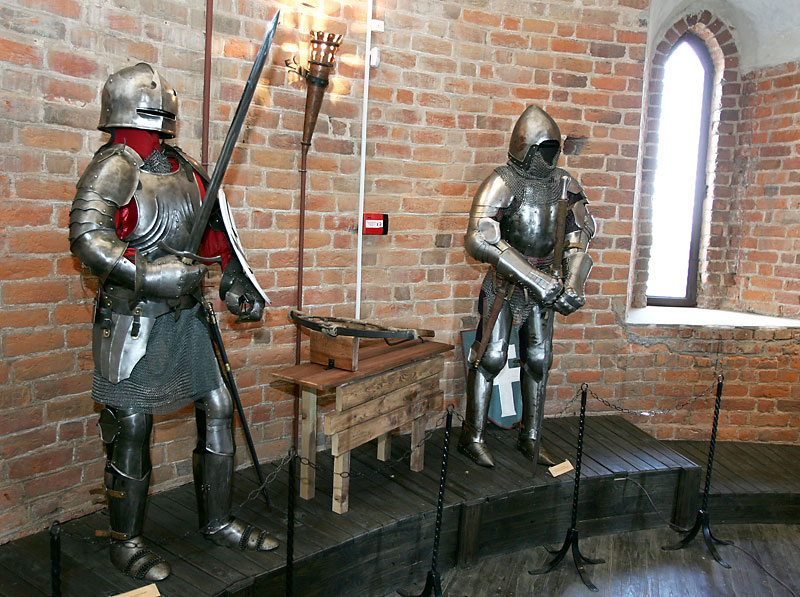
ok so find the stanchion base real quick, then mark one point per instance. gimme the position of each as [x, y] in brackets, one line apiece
[571, 541]
[433, 587]
[702, 522]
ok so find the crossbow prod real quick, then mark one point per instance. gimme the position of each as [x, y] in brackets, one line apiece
[340, 326]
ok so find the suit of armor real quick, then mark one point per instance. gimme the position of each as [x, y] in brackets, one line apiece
[134, 208]
[512, 226]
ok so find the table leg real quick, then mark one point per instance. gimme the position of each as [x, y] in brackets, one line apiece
[308, 442]
[385, 446]
[418, 444]
[341, 483]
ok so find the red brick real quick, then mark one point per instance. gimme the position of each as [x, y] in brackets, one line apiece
[20, 54]
[22, 443]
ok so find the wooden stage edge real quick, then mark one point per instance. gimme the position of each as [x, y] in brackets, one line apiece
[384, 542]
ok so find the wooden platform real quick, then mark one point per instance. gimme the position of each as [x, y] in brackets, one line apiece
[384, 541]
[751, 483]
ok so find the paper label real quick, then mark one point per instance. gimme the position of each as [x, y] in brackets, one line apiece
[560, 469]
[148, 591]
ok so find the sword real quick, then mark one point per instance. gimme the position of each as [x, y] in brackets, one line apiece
[210, 200]
[561, 227]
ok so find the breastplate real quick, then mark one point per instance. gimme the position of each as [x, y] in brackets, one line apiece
[531, 229]
[167, 205]
[529, 223]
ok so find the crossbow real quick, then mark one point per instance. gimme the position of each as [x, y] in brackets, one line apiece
[341, 326]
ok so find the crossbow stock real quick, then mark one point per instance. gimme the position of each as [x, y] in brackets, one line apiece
[340, 326]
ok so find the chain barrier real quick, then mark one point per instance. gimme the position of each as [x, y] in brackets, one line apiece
[270, 478]
[641, 413]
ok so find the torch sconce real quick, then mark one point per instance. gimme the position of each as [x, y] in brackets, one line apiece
[322, 51]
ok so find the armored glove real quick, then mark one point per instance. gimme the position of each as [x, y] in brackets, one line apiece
[569, 301]
[544, 287]
[239, 294]
[167, 277]
[577, 266]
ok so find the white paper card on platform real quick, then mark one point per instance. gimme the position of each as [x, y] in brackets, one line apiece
[560, 469]
[148, 591]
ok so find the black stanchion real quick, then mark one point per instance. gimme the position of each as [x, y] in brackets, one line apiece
[290, 524]
[433, 583]
[55, 559]
[702, 520]
[571, 540]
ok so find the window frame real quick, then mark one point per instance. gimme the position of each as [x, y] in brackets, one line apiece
[701, 177]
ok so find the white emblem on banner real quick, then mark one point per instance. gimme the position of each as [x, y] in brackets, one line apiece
[503, 383]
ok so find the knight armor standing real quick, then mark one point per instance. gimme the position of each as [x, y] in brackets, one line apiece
[513, 226]
[131, 217]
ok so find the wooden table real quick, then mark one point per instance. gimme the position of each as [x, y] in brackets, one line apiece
[394, 385]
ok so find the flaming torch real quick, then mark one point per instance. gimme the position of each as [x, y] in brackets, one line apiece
[322, 50]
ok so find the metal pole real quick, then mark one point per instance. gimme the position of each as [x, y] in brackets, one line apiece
[571, 540]
[702, 521]
[290, 524]
[433, 583]
[55, 559]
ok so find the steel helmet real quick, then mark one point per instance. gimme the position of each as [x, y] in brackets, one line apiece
[534, 130]
[138, 97]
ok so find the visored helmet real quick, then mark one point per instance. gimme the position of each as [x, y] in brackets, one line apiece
[138, 97]
[534, 131]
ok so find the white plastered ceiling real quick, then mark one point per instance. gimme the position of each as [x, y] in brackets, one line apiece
[766, 32]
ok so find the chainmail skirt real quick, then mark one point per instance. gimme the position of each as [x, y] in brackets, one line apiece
[178, 367]
[520, 304]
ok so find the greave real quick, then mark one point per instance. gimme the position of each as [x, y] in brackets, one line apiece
[212, 483]
[479, 394]
[213, 474]
[127, 499]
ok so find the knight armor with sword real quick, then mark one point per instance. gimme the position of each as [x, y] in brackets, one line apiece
[529, 220]
[130, 225]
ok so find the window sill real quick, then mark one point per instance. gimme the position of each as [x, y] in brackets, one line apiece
[706, 318]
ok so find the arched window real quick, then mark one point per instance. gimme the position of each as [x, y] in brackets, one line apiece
[680, 175]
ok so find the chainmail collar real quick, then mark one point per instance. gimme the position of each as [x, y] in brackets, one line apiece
[529, 188]
[157, 162]
[538, 170]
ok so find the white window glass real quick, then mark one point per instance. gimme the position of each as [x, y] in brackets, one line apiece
[676, 171]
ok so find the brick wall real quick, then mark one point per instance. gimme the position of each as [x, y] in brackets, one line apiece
[452, 81]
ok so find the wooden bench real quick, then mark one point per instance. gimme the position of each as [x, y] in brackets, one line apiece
[393, 386]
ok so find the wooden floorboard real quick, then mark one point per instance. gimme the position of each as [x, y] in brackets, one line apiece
[635, 565]
[385, 540]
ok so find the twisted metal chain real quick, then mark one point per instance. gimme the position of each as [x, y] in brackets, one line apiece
[270, 478]
[653, 412]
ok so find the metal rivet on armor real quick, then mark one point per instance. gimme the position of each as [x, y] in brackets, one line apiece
[106, 333]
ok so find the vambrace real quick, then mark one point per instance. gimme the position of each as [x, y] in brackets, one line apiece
[511, 264]
[576, 262]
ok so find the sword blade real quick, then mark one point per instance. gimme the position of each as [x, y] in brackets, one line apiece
[232, 137]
